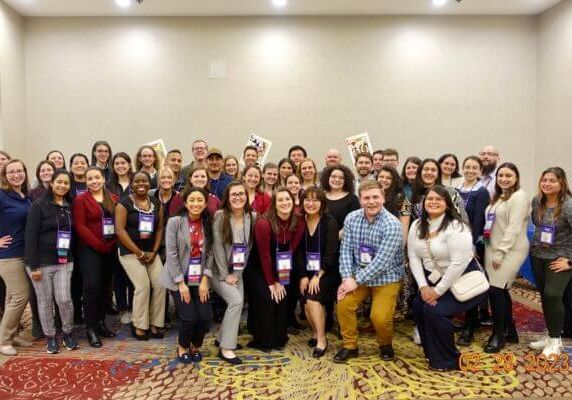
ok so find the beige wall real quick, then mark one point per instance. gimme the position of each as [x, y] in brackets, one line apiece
[424, 85]
[554, 128]
[12, 111]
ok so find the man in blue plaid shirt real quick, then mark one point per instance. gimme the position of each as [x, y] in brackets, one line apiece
[371, 264]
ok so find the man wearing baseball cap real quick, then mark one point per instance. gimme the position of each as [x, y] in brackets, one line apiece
[218, 181]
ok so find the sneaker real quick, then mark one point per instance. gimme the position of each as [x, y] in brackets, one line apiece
[553, 347]
[539, 344]
[8, 350]
[52, 346]
[70, 342]
[125, 317]
[416, 336]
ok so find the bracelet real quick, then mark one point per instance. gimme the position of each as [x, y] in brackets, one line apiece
[142, 254]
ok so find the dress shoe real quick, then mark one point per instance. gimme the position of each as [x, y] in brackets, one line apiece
[158, 334]
[137, 336]
[345, 354]
[234, 361]
[496, 342]
[386, 352]
[103, 331]
[185, 357]
[511, 334]
[238, 345]
[92, 338]
[312, 342]
[466, 337]
[196, 356]
[317, 353]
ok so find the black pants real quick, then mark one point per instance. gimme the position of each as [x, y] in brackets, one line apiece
[123, 289]
[501, 304]
[193, 319]
[96, 271]
[568, 311]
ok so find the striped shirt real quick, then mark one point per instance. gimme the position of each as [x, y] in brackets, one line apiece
[385, 236]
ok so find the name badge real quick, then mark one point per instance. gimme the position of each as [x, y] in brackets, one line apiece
[284, 266]
[63, 240]
[146, 225]
[489, 225]
[312, 262]
[238, 257]
[80, 191]
[194, 271]
[108, 227]
[365, 254]
[547, 234]
[434, 276]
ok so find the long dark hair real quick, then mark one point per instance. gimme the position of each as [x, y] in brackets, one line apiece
[451, 213]
[419, 188]
[285, 160]
[349, 178]
[205, 215]
[227, 212]
[314, 192]
[50, 192]
[455, 173]
[114, 178]
[39, 168]
[272, 213]
[498, 191]
[394, 194]
[560, 198]
[76, 155]
[94, 158]
[108, 202]
[413, 160]
[56, 151]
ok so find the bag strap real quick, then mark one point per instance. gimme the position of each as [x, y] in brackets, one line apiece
[431, 256]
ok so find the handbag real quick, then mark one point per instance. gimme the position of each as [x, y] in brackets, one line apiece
[471, 284]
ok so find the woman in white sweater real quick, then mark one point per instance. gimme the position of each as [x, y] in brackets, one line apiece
[440, 250]
[506, 248]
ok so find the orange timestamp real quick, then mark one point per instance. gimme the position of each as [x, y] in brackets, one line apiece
[507, 362]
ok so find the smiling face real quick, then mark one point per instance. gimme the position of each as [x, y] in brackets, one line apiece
[250, 157]
[270, 176]
[293, 184]
[307, 171]
[385, 179]
[140, 184]
[195, 204]
[283, 203]
[429, 174]
[336, 180]
[506, 178]
[333, 157]
[237, 197]
[214, 164]
[46, 173]
[285, 170]
[57, 158]
[411, 170]
[471, 170]
[166, 180]
[391, 160]
[61, 185]
[94, 180]
[371, 201]
[79, 166]
[175, 162]
[448, 166]
[199, 151]
[251, 178]
[101, 154]
[199, 178]
[363, 166]
[147, 158]
[311, 205]
[231, 167]
[435, 205]
[3, 159]
[377, 161]
[550, 184]
[297, 156]
[121, 166]
[15, 174]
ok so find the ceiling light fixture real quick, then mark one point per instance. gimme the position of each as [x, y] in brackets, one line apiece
[439, 3]
[123, 3]
[279, 3]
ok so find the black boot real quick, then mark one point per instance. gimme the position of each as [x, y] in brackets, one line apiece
[496, 342]
[92, 338]
[102, 330]
[510, 333]
[467, 336]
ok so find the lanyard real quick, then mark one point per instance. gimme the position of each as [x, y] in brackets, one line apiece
[306, 234]
[69, 220]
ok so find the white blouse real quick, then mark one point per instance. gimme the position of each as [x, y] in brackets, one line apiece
[451, 248]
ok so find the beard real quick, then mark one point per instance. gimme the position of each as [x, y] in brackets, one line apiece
[488, 168]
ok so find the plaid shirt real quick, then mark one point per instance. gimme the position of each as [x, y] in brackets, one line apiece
[385, 235]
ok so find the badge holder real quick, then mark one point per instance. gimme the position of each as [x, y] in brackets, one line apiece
[284, 266]
[194, 271]
[146, 225]
[238, 257]
[63, 242]
[547, 233]
[365, 255]
[108, 227]
[313, 261]
[489, 225]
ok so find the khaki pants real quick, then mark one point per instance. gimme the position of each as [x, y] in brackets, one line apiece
[382, 311]
[17, 292]
[148, 306]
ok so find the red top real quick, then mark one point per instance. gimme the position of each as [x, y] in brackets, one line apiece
[87, 215]
[261, 202]
[266, 243]
[197, 239]
[213, 204]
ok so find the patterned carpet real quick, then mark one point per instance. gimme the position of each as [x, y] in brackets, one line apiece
[128, 369]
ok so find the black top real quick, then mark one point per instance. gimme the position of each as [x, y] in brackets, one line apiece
[37, 192]
[132, 225]
[45, 218]
[77, 188]
[328, 246]
[118, 190]
[342, 207]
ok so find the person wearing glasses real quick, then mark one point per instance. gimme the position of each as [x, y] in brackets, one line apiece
[199, 148]
[490, 157]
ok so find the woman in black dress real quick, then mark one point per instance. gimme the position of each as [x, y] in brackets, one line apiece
[317, 260]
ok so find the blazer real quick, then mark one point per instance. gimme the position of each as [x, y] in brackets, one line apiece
[222, 251]
[178, 252]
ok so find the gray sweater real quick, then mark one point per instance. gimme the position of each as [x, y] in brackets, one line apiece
[562, 246]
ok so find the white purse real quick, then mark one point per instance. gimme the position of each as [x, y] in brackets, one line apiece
[469, 285]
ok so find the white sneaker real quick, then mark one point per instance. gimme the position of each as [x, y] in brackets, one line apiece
[553, 346]
[539, 344]
[125, 317]
[416, 336]
[8, 350]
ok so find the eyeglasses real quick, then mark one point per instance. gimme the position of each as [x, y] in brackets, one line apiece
[16, 172]
[237, 194]
[488, 153]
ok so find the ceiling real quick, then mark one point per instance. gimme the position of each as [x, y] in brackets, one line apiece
[55, 8]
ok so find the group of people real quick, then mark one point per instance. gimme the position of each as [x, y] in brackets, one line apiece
[111, 234]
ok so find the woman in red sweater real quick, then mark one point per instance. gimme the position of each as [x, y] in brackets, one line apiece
[258, 199]
[277, 235]
[93, 213]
